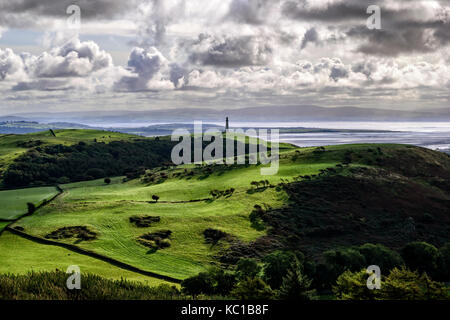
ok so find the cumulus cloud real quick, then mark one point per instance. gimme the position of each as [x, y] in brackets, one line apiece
[242, 49]
[148, 69]
[74, 59]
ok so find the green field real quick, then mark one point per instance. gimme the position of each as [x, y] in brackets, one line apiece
[19, 255]
[106, 209]
[14, 202]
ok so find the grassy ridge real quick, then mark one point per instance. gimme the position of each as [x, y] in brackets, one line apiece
[14, 145]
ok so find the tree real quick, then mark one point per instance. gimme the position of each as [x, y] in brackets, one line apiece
[276, 265]
[107, 180]
[421, 256]
[403, 284]
[400, 284]
[353, 286]
[199, 284]
[31, 208]
[252, 289]
[296, 285]
[155, 197]
[247, 268]
[340, 260]
[444, 263]
[377, 254]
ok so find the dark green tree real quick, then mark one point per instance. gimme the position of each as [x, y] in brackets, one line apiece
[276, 265]
[247, 268]
[421, 256]
[296, 285]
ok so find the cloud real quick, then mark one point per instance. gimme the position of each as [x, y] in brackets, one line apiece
[12, 65]
[251, 11]
[148, 72]
[231, 52]
[74, 59]
[407, 27]
[311, 35]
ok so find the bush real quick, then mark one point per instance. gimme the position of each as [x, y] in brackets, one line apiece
[155, 198]
[421, 256]
[276, 265]
[52, 286]
[401, 284]
[247, 268]
[377, 254]
[342, 260]
[31, 208]
[107, 180]
[214, 282]
[252, 289]
[444, 263]
[199, 284]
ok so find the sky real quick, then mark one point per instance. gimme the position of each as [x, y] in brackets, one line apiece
[224, 54]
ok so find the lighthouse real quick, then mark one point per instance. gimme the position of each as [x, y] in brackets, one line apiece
[227, 125]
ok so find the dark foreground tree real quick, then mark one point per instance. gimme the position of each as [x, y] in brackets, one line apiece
[296, 285]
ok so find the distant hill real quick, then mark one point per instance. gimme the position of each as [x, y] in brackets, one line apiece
[272, 113]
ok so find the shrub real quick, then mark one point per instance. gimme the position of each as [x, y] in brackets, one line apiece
[341, 260]
[400, 284]
[276, 265]
[444, 263]
[247, 268]
[107, 180]
[381, 256]
[52, 286]
[199, 284]
[252, 289]
[421, 256]
[31, 208]
[213, 236]
[155, 197]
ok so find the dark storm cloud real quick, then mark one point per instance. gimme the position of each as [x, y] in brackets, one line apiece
[20, 13]
[332, 12]
[250, 11]
[231, 52]
[404, 30]
[311, 35]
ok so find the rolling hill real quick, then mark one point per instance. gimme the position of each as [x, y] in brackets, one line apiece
[321, 198]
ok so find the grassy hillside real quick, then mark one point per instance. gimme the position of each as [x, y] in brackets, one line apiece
[37, 257]
[321, 198]
[316, 201]
[14, 202]
[14, 145]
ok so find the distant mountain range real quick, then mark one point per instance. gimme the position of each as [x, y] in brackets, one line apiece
[259, 114]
